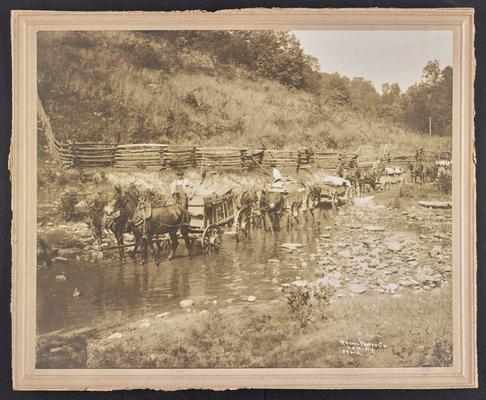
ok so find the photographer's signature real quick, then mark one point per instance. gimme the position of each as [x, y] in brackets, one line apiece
[360, 347]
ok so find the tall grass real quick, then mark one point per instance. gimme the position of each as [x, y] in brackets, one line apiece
[105, 96]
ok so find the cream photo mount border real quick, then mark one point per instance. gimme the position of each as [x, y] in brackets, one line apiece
[23, 165]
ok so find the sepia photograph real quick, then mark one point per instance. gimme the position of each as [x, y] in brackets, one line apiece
[245, 198]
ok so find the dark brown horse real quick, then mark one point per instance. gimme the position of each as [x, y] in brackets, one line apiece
[417, 172]
[370, 178]
[247, 212]
[430, 172]
[272, 203]
[354, 177]
[116, 217]
[149, 222]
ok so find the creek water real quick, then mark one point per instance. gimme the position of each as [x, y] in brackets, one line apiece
[110, 292]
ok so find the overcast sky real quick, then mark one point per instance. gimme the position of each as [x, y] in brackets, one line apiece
[378, 56]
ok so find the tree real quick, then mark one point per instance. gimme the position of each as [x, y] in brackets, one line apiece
[431, 98]
[391, 103]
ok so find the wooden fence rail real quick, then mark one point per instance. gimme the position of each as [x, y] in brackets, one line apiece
[162, 156]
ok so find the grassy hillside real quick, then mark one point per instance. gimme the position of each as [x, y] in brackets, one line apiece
[131, 88]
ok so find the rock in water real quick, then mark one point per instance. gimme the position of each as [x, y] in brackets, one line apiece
[391, 287]
[357, 288]
[394, 246]
[436, 250]
[374, 228]
[292, 246]
[299, 283]
[61, 277]
[345, 254]
[187, 303]
[162, 315]
[145, 324]
[251, 299]
[116, 335]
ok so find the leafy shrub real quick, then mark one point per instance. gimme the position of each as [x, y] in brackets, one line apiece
[444, 183]
[67, 205]
[307, 304]
[155, 198]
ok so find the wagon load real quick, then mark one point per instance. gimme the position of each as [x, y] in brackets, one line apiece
[209, 213]
[390, 170]
[335, 181]
[333, 190]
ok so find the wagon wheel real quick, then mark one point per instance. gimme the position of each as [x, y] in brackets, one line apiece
[211, 239]
[242, 224]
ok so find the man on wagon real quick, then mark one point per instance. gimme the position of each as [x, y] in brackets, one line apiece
[353, 163]
[180, 189]
[419, 154]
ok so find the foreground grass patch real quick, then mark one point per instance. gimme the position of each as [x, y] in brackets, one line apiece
[415, 330]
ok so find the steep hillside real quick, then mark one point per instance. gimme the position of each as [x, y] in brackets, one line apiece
[137, 87]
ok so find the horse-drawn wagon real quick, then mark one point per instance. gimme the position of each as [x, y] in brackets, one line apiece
[334, 191]
[209, 213]
[390, 176]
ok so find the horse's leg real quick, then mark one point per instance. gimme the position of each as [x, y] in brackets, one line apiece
[174, 243]
[119, 242]
[185, 235]
[137, 237]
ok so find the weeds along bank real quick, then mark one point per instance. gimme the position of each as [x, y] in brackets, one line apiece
[269, 335]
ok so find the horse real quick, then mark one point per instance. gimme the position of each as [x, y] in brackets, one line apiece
[354, 176]
[371, 177]
[148, 222]
[416, 169]
[116, 217]
[430, 172]
[341, 171]
[272, 204]
[246, 207]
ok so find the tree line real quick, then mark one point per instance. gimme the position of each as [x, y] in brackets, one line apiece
[272, 55]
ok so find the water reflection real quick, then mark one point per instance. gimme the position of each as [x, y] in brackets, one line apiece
[108, 290]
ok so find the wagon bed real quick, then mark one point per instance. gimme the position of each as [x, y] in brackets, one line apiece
[208, 214]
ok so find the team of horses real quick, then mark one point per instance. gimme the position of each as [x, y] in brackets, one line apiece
[257, 208]
[422, 172]
[127, 213]
[265, 207]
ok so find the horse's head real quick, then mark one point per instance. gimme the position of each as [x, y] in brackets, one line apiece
[122, 202]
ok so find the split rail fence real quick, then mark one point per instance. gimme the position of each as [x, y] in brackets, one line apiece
[73, 154]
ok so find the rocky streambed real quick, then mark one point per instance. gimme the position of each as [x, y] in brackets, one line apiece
[373, 249]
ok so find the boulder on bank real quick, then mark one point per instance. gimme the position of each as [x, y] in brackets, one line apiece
[436, 204]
